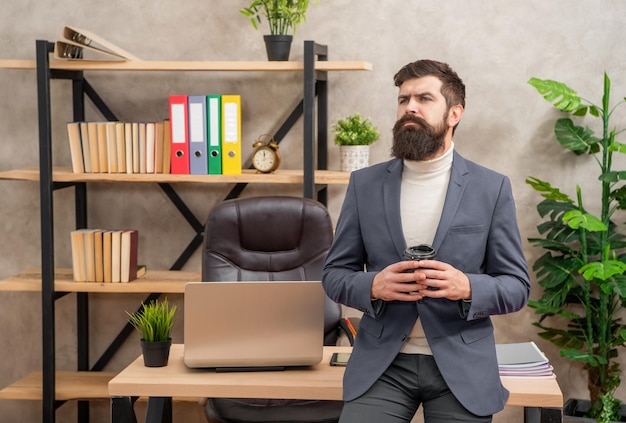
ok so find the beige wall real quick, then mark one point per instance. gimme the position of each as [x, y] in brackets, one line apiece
[495, 46]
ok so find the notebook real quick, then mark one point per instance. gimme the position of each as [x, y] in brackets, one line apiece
[253, 325]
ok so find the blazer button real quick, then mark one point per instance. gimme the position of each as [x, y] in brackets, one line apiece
[403, 338]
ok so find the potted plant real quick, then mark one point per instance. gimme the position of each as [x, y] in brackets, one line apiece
[283, 16]
[583, 271]
[353, 135]
[154, 322]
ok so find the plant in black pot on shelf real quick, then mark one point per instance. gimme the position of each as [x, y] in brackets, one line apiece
[283, 16]
[583, 271]
[154, 322]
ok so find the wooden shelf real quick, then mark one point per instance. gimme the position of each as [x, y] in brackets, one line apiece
[69, 386]
[163, 281]
[287, 176]
[167, 65]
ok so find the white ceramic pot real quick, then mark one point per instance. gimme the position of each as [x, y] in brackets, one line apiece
[354, 157]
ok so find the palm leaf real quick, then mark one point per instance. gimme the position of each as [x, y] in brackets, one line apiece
[557, 93]
[576, 138]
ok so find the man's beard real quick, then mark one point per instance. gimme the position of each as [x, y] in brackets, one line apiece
[417, 142]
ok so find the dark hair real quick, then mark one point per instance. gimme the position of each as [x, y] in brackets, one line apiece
[452, 88]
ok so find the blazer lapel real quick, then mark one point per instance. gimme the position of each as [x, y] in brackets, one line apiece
[456, 187]
[391, 203]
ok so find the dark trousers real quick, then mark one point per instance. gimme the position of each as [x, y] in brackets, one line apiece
[410, 381]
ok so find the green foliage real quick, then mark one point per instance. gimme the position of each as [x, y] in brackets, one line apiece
[154, 320]
[355, 130]
[583, 272]
[282, 15]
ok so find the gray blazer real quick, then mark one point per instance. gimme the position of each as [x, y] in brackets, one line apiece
[477, 234]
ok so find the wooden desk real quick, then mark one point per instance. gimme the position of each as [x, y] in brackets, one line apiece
[542, 398]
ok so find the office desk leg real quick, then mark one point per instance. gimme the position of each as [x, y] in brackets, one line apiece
[122, 410]
[159, 410]
[543, 415]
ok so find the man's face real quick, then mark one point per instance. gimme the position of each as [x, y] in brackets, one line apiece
[423, 130]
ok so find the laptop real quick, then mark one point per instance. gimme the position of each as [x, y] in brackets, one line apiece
[246, 326]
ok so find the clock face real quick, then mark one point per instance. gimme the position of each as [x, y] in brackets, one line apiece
[265, 159]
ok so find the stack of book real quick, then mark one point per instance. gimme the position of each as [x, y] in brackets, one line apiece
[523, 359]
[205, 134]
[100, 255]
[119, 147]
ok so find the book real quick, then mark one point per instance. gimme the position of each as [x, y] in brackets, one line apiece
[135, 142]
[98, 253]
[120, 138]
[116, 255]
[79, 44]
[79, 267]
[76, 152]
[198, 162]
[150, 146]
[106, 255]
[167, 146]
[128, 143]
[231, 134]
[214, 133]
[92, 129]
[90, 255]
[158, 147]
[86, 147]
[523, 359]
[142, 147]
[111, 147]
[103, 153]
[129, 252]
[179, 134]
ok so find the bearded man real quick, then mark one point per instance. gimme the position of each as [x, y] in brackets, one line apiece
[426, 337]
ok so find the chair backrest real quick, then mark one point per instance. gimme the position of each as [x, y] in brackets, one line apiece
[270, 238]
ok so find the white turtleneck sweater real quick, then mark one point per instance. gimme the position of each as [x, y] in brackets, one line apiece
[423, 193]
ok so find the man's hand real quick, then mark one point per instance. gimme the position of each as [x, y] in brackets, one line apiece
[411, 280]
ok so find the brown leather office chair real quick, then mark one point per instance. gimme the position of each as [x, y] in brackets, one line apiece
[271, 238]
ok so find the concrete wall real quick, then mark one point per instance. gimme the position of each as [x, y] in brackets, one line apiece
[495, 47]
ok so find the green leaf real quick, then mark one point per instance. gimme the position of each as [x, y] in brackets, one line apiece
[613, 176]
[547, 191]
[602, 270]
[576, 138]
[590, 359]
[577, 219]
[557, 93]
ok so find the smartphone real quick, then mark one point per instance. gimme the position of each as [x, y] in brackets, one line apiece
[339, 359]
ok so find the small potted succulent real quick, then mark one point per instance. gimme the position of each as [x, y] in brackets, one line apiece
[154, 322]
[353, 135]
[283, 16]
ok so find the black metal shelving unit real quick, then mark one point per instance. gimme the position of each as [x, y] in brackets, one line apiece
[313, 109]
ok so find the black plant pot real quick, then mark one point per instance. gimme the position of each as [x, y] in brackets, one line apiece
[575, 409]
[156, 354]
[278, 47]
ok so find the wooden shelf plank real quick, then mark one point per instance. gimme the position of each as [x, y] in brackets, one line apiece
[287, 176]
[167, 65]
[163, 281]
[69, 386]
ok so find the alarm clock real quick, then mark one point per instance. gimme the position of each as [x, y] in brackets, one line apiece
[265, 157]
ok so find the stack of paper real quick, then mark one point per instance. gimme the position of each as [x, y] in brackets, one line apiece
[523, 359]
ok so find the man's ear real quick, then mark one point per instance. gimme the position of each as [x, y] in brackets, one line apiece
[454, 115]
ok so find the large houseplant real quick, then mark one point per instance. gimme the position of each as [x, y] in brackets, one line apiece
[283, 16]
[583, 272]
[353, 135]
[154, 322]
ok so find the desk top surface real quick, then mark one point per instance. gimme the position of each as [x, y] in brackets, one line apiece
[322, 381]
